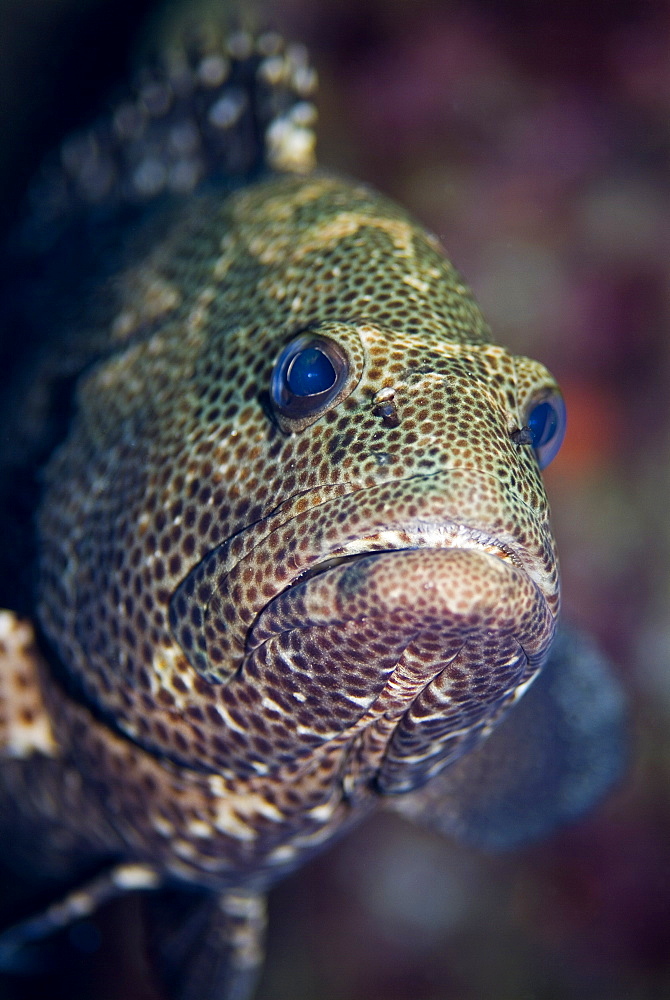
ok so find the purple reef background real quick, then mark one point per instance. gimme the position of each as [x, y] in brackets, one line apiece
[534, 139]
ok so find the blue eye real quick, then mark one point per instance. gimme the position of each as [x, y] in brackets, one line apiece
[308, 378]
[546, 423]
[310, 373]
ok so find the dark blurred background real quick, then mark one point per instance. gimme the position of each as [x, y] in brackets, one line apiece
[534, 139]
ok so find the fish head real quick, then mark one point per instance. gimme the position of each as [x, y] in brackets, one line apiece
[304, 514]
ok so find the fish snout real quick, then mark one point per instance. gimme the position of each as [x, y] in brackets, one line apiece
[452, 522]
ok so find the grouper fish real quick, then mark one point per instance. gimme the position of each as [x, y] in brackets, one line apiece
[292, 558]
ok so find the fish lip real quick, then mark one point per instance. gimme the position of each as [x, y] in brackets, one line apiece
[415, 534]
[438, 528]
[307, 534]
[430, 535]
[447, 534]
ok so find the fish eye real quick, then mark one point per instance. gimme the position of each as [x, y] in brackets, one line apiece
[310, 373]
[546, 423]
[308, 376]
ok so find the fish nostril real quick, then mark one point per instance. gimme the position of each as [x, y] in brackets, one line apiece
[521, 436]
[388, 412]
[385, 407]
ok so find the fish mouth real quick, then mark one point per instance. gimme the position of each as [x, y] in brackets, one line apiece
[311, 532]
[388, 630]
[444, 536]
[408, 655]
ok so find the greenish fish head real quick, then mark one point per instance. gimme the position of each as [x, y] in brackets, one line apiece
[305, 514]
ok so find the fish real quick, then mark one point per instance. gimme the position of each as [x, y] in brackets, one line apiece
[292, 545]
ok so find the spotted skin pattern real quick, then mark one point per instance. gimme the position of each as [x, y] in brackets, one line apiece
[265, 623]
[161, 593]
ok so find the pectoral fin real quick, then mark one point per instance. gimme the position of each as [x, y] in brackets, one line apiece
[207, 945]
[555, 754]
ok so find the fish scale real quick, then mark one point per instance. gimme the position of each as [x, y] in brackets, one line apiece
[267, 606]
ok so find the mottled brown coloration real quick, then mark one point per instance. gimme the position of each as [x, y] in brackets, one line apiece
[180, 520]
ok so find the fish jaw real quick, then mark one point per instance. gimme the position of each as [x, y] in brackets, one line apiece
[422, 648]
[458, 508]
[464, 615]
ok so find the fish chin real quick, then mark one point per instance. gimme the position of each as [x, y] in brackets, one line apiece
[409, 655]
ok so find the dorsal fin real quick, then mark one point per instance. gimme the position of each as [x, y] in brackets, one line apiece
[215, 106]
